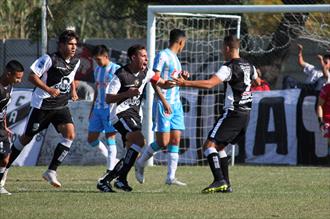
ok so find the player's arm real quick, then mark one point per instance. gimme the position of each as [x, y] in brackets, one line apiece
[74, 95]
[10, 133]
[319, 111]
[324, 67]
[203, 84]
[39, 67]
[112, 95]
[301, 61]
[167, 107]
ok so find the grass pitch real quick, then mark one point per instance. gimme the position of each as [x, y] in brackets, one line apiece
[259, 192]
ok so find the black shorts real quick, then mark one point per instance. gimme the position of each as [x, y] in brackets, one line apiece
[127, 124]
[230, 127]
[40, 119]
[4, 140]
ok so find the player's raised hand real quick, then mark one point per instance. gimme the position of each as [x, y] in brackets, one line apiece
[54, 92]
[300, 47]
[133, 91]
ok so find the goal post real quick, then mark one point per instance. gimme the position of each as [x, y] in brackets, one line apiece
[255, 45]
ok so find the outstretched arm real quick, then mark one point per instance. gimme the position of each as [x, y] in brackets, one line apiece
[325, 70]
[301, 61]
[204, 84]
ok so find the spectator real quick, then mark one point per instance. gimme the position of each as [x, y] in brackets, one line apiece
[260, 85]
[316, 78]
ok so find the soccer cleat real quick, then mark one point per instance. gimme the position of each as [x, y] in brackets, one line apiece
[51, 177]
[216, 186]
[103, 186]
[123, 185]
[174, 182]
[139, 172]
[228, 190]
[4, 178]
[3, 191]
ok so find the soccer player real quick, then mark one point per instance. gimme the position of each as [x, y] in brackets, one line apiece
[53, 76]
[125, 93]
[323, 112]
[236, 74]
[99, 116]
[13, 74]
[168, 120]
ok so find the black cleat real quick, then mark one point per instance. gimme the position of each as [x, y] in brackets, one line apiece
[123, 185]
[104, 186]
[216, 186]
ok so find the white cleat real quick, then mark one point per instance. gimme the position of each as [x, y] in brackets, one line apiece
[51, 177]
[3, 191]
[174, 182]
[139, 172]
[4, 178]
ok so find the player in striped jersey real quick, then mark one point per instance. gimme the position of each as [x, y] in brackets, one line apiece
[99, 116]
[168, 121]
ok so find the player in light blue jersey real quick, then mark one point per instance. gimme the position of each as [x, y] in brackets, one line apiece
[168, 120]
[99, 116]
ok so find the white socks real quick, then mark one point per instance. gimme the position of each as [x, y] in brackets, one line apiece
[148, 153]
[172, 160]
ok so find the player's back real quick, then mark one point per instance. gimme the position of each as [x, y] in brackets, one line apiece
[169, 66]
[102, 76]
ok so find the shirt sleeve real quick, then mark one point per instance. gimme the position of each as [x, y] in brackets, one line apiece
[41, 65]
[224, 73]
[114, 86]
[254, 74]
[159, 62]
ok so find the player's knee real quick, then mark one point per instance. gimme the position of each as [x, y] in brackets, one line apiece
[66, 142]
[174, 141]
[23, 140]
[4, 160]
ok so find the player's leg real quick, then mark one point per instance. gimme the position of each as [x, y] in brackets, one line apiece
[4, 159]
[63, 123]
[112, 150]
[95, 127]
[110, 135]
[161, 126]
[177, 126]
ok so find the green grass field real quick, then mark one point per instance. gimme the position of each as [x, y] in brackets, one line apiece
[259, 192]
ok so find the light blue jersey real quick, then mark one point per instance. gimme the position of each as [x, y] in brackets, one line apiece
[103, 76]
[168, 64]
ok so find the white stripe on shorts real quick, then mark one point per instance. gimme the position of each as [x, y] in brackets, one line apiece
[217, 126]
[125, 124]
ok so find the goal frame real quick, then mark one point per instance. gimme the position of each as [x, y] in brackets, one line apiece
[154, 10]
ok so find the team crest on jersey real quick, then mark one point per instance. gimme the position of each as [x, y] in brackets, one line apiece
[35, 127]
[136, 83]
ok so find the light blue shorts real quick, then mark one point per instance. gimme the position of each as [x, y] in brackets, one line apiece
[99, 121]
[165, 123]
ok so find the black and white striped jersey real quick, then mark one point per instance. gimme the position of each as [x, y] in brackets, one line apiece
[55, 72]
[121, 82]
[5, 95]
[237, 75]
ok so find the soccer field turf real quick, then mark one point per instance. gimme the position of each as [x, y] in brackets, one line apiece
[259, 192]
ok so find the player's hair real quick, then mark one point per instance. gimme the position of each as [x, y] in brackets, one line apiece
[67, 35]
[133, 50]
[326, 57]
[100, 50]
[231, 41]
[14, 66]
[176, 35]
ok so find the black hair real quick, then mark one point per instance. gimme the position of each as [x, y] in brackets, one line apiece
[231, 41]
[67, 35]
[176, 34]
[133, 50]
[326, 56]
[14, 66]
[100, 50]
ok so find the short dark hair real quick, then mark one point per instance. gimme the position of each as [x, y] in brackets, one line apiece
[67, 35]
[176, 34]
[326, 56]
[100, 50]
[231, 41]
[14, 66]
[133, 50]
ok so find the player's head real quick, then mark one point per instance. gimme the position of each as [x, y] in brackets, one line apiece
[14, 72]
[67, 43]
[230, 45]
[326, 60]
[101, 55]
[138, 56]
[178, 37]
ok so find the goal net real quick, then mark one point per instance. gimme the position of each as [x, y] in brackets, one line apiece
[267, 33]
